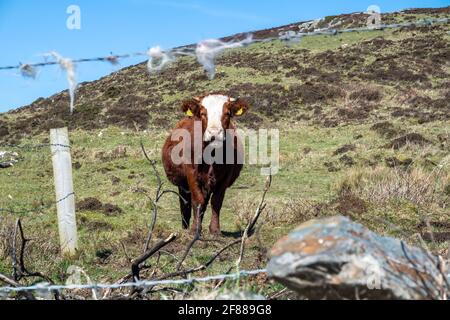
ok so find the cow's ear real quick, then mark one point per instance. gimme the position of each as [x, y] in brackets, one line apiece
[238, 107]
[190, 107]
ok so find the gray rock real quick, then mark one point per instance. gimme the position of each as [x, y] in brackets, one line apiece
[335, 258]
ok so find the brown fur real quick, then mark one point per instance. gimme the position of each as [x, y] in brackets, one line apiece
[200, 183]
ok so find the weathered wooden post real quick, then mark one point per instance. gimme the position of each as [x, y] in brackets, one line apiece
[65, 197]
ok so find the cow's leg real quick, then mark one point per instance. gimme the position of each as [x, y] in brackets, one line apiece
[199, 213]
[197, 197]
[216, 205]
[185, 206]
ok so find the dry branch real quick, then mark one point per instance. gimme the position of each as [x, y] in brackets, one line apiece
[16, 284]
[135, 266]
[18, 263]
[249, 230]
[158, 195]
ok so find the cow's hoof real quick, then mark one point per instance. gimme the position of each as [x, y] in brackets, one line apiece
[215, 232]
[193, 231]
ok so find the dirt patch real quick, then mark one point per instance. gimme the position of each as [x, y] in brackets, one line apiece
[355, 113]
[348, 204]
[3, 129]
[344, 149]
[367, 94]
[103, 254]
[393, 162]
[115, 180]
[410, 138]
[93, 204]
[89, 204]
[317, 92]
[128, 113]
[443, 10]
[347, 160]
[436, 236]
[331, 167]
[111, 209]
[84, 222]
[436, 224]
[393, 73]
[385, 129]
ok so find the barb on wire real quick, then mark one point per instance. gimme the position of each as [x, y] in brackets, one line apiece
[137, 284]
[158, 59]
[27, 70]
[69, 66]
[208, 50]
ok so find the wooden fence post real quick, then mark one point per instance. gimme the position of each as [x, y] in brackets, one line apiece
[62, 173]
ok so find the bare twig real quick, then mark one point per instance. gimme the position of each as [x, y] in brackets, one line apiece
[135, 266]
[201, 267]
[278, 294]
[249, 230]
[9, 281]
[194, 240]
[19, 269]
[14, 283]
[23, 270]
[158, 195]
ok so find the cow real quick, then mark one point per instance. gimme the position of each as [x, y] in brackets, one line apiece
[200, 181]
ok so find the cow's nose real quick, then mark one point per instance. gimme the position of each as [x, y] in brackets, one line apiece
[215, 131]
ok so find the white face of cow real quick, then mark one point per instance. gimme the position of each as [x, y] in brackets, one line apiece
[215, 132]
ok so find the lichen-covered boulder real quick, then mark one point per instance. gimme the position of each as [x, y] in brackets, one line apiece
[335, 258]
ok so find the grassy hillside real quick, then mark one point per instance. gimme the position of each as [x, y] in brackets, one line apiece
[364, 132]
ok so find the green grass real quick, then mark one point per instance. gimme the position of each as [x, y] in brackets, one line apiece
[302, 176]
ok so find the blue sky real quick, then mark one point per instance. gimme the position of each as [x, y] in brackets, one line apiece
[30, 28]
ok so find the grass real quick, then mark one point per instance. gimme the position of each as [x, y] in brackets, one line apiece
[303, 176]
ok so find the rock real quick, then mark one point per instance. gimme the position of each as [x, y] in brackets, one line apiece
[8, 159]
[335, 258]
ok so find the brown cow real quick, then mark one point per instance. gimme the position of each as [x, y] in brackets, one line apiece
[199, 180]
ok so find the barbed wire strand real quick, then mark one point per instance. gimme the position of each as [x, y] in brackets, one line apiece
[140, 284]
[189, 50]
[34, 146]
[38, 209]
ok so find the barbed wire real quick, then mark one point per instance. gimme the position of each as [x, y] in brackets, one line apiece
[190, 49]
[205, 51]
[43, 287]
[113, 59]
[34, 146]
[38, 209]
